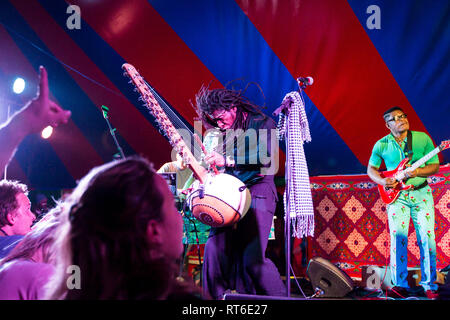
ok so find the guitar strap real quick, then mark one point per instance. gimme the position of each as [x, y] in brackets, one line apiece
[408, 146]
[409, 153]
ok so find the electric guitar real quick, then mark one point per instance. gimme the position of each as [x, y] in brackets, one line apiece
[389, 195]
[208, 200]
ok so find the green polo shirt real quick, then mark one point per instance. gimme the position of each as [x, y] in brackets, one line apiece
[392, 153]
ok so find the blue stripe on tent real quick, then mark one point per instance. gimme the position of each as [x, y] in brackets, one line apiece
[36, 156]
[105, 57]
[85, 114]
[14, 105]
[42, 166]
[37, 159]
[414, 42]
[223, 38]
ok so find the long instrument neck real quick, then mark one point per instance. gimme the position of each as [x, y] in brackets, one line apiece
[174, 137]
[165, 124]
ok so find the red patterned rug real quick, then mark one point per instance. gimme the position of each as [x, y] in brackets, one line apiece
[351, 222]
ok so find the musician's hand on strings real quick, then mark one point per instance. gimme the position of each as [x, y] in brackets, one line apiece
[390, 182]
[41, 111]
[180, 163]
[410, 173]
[214, 158]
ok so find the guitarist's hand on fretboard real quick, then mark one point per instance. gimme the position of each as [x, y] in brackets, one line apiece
[410, 173]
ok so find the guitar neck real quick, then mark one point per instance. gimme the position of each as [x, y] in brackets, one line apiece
[165, 124]
[425, 158]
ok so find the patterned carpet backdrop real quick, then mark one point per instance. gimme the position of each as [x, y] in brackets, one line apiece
[351, 222]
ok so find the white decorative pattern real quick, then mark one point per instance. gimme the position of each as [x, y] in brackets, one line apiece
[354, 209]
[380, 210]
[383, 245]
[326, 208]
[356, 243]
[366, 185]
[444, 205]
[316, 186]
[338, 186]
[327, 240]
[444, 244]
[435, 179]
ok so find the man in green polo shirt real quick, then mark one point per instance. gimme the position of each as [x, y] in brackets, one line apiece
[415, 203]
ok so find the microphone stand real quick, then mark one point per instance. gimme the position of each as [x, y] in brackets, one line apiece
[112, 131]
[285, 108]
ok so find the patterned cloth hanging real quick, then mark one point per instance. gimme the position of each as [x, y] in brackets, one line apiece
[293, 127]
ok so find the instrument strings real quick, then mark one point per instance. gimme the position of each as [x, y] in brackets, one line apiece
[177, 122]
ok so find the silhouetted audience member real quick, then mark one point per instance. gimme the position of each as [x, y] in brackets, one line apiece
[38, 113]
[25, 271]
[41, 207]
[16, 217]
[122, 230]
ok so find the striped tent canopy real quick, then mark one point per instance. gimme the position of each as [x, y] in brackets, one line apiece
[364, 55]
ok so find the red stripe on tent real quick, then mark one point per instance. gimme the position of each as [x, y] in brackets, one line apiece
[77, 161]
[136, 31]
[135, 129]
[325, 40]
[140, 35]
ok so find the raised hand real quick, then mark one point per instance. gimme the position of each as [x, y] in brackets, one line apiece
[33, 117]
[41, 111]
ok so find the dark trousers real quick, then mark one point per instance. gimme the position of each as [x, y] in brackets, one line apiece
[234, 256]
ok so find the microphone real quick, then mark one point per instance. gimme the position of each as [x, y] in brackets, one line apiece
[305, 81]
[285, 104]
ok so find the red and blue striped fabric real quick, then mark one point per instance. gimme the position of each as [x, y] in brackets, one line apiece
[179, 45]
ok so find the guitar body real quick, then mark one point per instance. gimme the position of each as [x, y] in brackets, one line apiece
[389, 195]
[221, 201]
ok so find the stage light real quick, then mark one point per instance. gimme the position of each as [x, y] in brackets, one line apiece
[47, 132]
[19, 85]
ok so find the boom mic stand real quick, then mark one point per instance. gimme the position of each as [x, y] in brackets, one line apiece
[113, 134]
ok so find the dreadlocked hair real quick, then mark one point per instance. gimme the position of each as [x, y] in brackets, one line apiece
[210, 100]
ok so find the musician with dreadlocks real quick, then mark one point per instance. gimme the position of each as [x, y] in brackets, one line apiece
[234, 258]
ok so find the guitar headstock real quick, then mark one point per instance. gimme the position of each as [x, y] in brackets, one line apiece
[444, 145]
[151, 103]
[163, 121]
[130, 71]
[136, 79]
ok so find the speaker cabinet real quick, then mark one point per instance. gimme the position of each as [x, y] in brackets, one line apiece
[328, 279]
